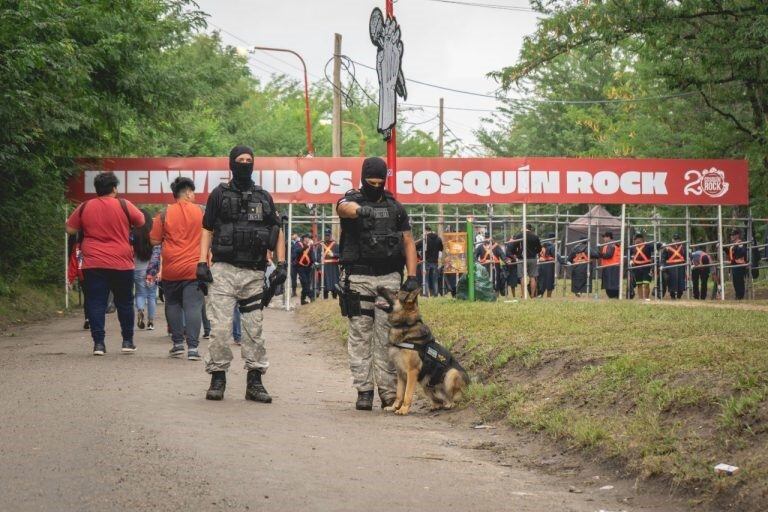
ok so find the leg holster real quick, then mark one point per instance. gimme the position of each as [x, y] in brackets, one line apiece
[350, 303]
[250, 304]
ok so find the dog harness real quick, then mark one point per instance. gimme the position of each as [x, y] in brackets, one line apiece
[436, 360]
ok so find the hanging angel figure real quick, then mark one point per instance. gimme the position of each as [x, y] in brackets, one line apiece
[385, 35]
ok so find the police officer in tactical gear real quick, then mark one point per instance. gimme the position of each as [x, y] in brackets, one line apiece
[376, 243]
[240, 225]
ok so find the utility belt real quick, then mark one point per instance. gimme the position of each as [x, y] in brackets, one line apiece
[370, 270]
[350, 302]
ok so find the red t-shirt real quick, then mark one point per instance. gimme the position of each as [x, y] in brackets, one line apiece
[105, 232]
[180, 235]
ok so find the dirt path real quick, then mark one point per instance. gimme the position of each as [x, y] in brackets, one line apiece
[135, 433]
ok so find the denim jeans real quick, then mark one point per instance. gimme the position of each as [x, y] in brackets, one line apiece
[184, 311]
[99, 282]
[146, 294]
[431, 269]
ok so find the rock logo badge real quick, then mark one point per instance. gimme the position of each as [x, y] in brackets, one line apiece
[709, 181]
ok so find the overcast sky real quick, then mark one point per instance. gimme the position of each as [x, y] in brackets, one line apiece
[445, 44]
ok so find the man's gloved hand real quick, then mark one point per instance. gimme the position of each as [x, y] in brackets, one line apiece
[203, 273]
[278, 276]
[411, 284]
[364, 212]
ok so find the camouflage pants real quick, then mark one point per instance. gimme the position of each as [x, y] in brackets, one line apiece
[368, 340]
[229, 285]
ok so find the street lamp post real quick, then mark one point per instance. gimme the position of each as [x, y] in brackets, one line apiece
[362, 136]
[310, 146]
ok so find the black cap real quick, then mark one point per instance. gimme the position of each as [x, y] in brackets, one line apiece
[374, 167]
[550, 235]
[236, 152]
[676, 236]
[639, 235]
[735, 231]
[328, 231]
[608, 234]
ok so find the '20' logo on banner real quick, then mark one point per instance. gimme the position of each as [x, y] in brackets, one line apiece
[709, 181]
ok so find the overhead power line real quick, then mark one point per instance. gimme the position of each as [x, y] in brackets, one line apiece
[500, 7]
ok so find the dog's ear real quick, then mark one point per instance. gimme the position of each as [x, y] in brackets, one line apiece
[412, 296]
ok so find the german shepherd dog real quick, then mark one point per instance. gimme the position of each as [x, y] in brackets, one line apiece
[417, 356]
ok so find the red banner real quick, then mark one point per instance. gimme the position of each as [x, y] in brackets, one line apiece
[444, 180]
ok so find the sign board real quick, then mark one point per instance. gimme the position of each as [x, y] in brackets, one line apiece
[444, 180]
[454, 253]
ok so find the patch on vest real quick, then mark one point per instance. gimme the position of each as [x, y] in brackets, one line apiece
[255, 212]
[381, 213]
[437, 356]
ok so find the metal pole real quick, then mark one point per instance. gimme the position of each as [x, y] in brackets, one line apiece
[525, 251]
[565, 249]
[392, 142]
[687, 252]
[308, 118]
[720, 250]
[470, 261]
[557, 242]
[656, 267]
[287, 290]
[322, 252]
[621, 248]
[749, 240]
[66, 261]
[423, 250]
[589, 250]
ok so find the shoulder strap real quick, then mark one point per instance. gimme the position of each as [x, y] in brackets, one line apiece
[124, 206]
[80, 212]
[162, 217]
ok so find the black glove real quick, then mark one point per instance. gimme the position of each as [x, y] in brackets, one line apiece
[203, 273]
[364, 211]
[411, 284]
[203, 287]
[278, 276]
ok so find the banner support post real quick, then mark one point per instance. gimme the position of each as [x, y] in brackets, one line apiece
[688, 252]
[622, 243]
[525, 251]
[424, 250]
[720, 250]
[322, 251]
[287, 290]
[470, 262]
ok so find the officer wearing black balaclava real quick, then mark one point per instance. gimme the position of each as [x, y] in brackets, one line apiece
[375, 245]
[240, 225]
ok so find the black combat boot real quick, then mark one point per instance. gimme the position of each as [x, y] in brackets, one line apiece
[255, 389]
[364, 400]
[218, 385]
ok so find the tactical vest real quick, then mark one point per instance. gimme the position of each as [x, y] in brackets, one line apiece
[244, 230]
[373, 245]
[436, 360]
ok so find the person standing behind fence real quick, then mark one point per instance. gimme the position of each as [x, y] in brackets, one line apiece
[533, 249]
[433, 247]
[580, 261]
[547, 257]
[737, 259]
[106, 223]
[674, 258]
[609, 258]
[641, 265]
[700, 268]
[330, 259]
[511, 257]
[304, 261]
[145, 287]
[177, 228]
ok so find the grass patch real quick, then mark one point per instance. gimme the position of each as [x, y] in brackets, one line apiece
[667, 391]
[23, 302]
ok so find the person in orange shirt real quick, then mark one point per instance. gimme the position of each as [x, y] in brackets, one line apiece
[177, 228]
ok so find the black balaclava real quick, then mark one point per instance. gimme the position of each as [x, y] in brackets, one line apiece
[241, 172]
[373, 167]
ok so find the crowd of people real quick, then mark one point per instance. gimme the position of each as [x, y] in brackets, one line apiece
[216, 269]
